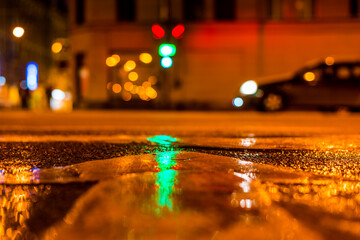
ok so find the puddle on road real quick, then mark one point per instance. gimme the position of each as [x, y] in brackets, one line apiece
[175, 195]
[172, 194]
[27, 210]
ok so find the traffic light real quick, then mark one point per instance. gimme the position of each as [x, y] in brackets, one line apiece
[166, 62]
[178, 31]
[158, 31]
[167, 50]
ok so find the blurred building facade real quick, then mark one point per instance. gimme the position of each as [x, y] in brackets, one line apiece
[225, 43]
[43, 21]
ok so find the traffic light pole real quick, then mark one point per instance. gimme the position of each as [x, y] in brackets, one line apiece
[167, 51]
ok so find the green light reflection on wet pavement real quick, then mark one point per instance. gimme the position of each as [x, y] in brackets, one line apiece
[166, 176]
[163, 140]
[166, 179]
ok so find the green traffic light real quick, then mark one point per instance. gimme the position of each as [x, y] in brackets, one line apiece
[166, 62]
[167, 49]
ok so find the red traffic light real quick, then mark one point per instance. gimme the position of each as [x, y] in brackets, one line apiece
[178, 31]
[158, 31]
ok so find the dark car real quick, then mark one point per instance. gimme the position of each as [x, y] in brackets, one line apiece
[327, 84]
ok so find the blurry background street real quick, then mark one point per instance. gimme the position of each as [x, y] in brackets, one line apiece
[134, 54]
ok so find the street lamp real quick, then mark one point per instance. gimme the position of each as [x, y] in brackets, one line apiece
[18, 32]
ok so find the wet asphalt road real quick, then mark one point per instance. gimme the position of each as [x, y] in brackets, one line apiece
[304, 172]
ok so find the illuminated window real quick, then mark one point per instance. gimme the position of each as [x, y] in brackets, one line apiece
[356, 71]
[194, 10]
[343, 73]
[289, 9]
[126, 10]
[224, 9]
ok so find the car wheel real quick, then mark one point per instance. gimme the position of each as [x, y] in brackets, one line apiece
[272, 102]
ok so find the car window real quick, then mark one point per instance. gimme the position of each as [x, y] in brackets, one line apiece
[356, 74]
[343, 73]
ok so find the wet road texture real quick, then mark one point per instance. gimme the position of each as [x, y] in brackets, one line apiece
[179, 175]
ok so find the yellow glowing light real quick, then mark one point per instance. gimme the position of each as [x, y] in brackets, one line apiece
[145, 58]
[146, 84]
[309, 76]
[126, 96]
[111, 62]
[116, 57]
[133, 76]
[329, 61]
[152, 80]
[151, 93]
[128, 86]
[56, 47]
[116, 88]
[129, 65]
[134, 90]
[140, 91]
[18, 32]
[143, 97]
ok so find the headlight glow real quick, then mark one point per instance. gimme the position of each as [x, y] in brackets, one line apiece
[238, 102]
[248, 87]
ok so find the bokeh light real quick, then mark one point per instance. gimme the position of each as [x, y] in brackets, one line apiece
[57, 94]
[129, 65]
[167, 49]
[145, 58]
[126, 96]
[128, 86]
[2, 80]
[146, 84]
[151, 93]
[248, 87]
[166, 62]
[133, 76]
[23, 84]
[152, 80]
[116, 88]
[56, 105]
[144, 97]
[111, 62]
[329, 61]
[158, 31]
[108, 85]
[32, 72]
[237, 102]
[140, 90]
[178, 31]
[18, 32]
[56, 47]
[309, 76]
[134, 90]
[116, 57]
